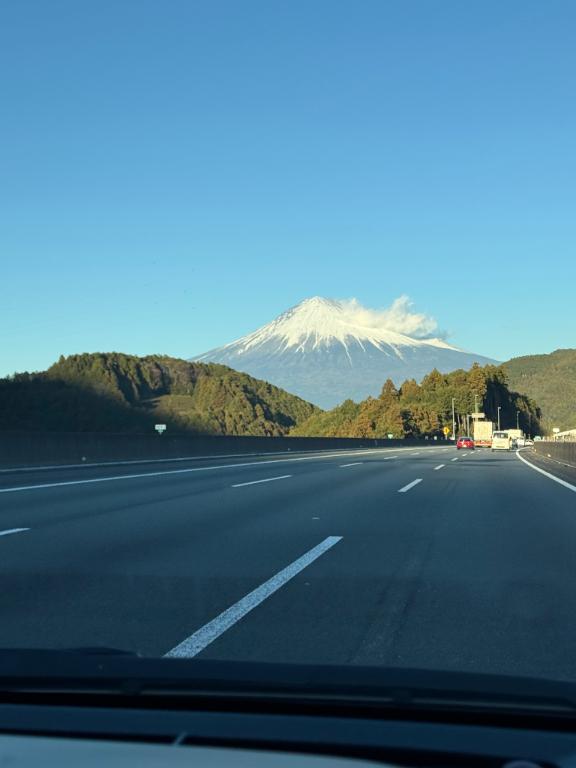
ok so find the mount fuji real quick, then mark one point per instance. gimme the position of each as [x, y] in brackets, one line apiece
[326, 351]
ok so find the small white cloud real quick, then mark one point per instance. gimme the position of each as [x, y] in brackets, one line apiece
[398, 317]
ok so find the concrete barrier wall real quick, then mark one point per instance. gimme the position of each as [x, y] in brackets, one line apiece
[20, 449]
[560, 451]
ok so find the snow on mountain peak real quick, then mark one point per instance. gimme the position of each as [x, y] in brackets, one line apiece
[317, 322]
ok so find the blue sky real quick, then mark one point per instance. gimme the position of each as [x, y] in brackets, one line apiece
[174, 174]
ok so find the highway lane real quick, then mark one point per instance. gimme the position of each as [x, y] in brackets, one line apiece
[98, 555]
[26, 477]
[471, 568]
[200, 489]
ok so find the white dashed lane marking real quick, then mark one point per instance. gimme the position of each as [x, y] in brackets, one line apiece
[410, 485]
[265, 480]
[196, 643]
[10, 531]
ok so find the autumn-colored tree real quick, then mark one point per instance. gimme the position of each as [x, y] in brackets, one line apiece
[425, 409]
[410, 391]
[389, 394]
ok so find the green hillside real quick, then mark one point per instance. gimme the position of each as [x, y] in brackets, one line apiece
[551, 381]
[113, 392]
[418, 410]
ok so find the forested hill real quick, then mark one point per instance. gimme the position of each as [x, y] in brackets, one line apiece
[114, 392]
[424, 409]
[551, 381]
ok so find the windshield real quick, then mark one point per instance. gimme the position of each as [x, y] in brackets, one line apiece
[251, 253]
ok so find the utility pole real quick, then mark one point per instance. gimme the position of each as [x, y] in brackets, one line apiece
[475, 403]
[453, 420]
[499, 417]
[517, 420]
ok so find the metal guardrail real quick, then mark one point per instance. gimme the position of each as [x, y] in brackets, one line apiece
[561, 451]
[20, 449]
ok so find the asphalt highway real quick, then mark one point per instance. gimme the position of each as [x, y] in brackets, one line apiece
[399, 557]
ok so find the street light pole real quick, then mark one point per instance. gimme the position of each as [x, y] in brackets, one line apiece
[453, 420]
[499, 417]
[517, 420]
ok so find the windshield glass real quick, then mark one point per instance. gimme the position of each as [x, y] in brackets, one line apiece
[250, 257]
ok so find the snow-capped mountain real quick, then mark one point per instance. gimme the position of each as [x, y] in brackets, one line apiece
[327, 351]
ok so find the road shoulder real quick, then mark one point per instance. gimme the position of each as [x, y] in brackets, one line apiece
[560, 471]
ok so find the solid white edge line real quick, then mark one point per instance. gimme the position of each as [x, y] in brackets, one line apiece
[129, 462]
[353, 464]
[410, 485]
[15, 489]
[264, 480]
[198, 641]
[439, 467]
[89, 465]
[9, 531]
[125, 462]
[546, 474]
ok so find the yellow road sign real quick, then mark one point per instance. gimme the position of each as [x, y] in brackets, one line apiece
[446, 431]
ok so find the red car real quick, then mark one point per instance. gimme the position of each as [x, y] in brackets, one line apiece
[465, 442]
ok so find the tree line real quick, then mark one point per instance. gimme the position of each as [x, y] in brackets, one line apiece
[114, 392]
[425, 409]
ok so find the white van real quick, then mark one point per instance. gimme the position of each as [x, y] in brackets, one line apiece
[501, 441]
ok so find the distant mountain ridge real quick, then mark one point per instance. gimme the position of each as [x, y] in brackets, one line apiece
[551, 380]
[106, 392]
[316, 352]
